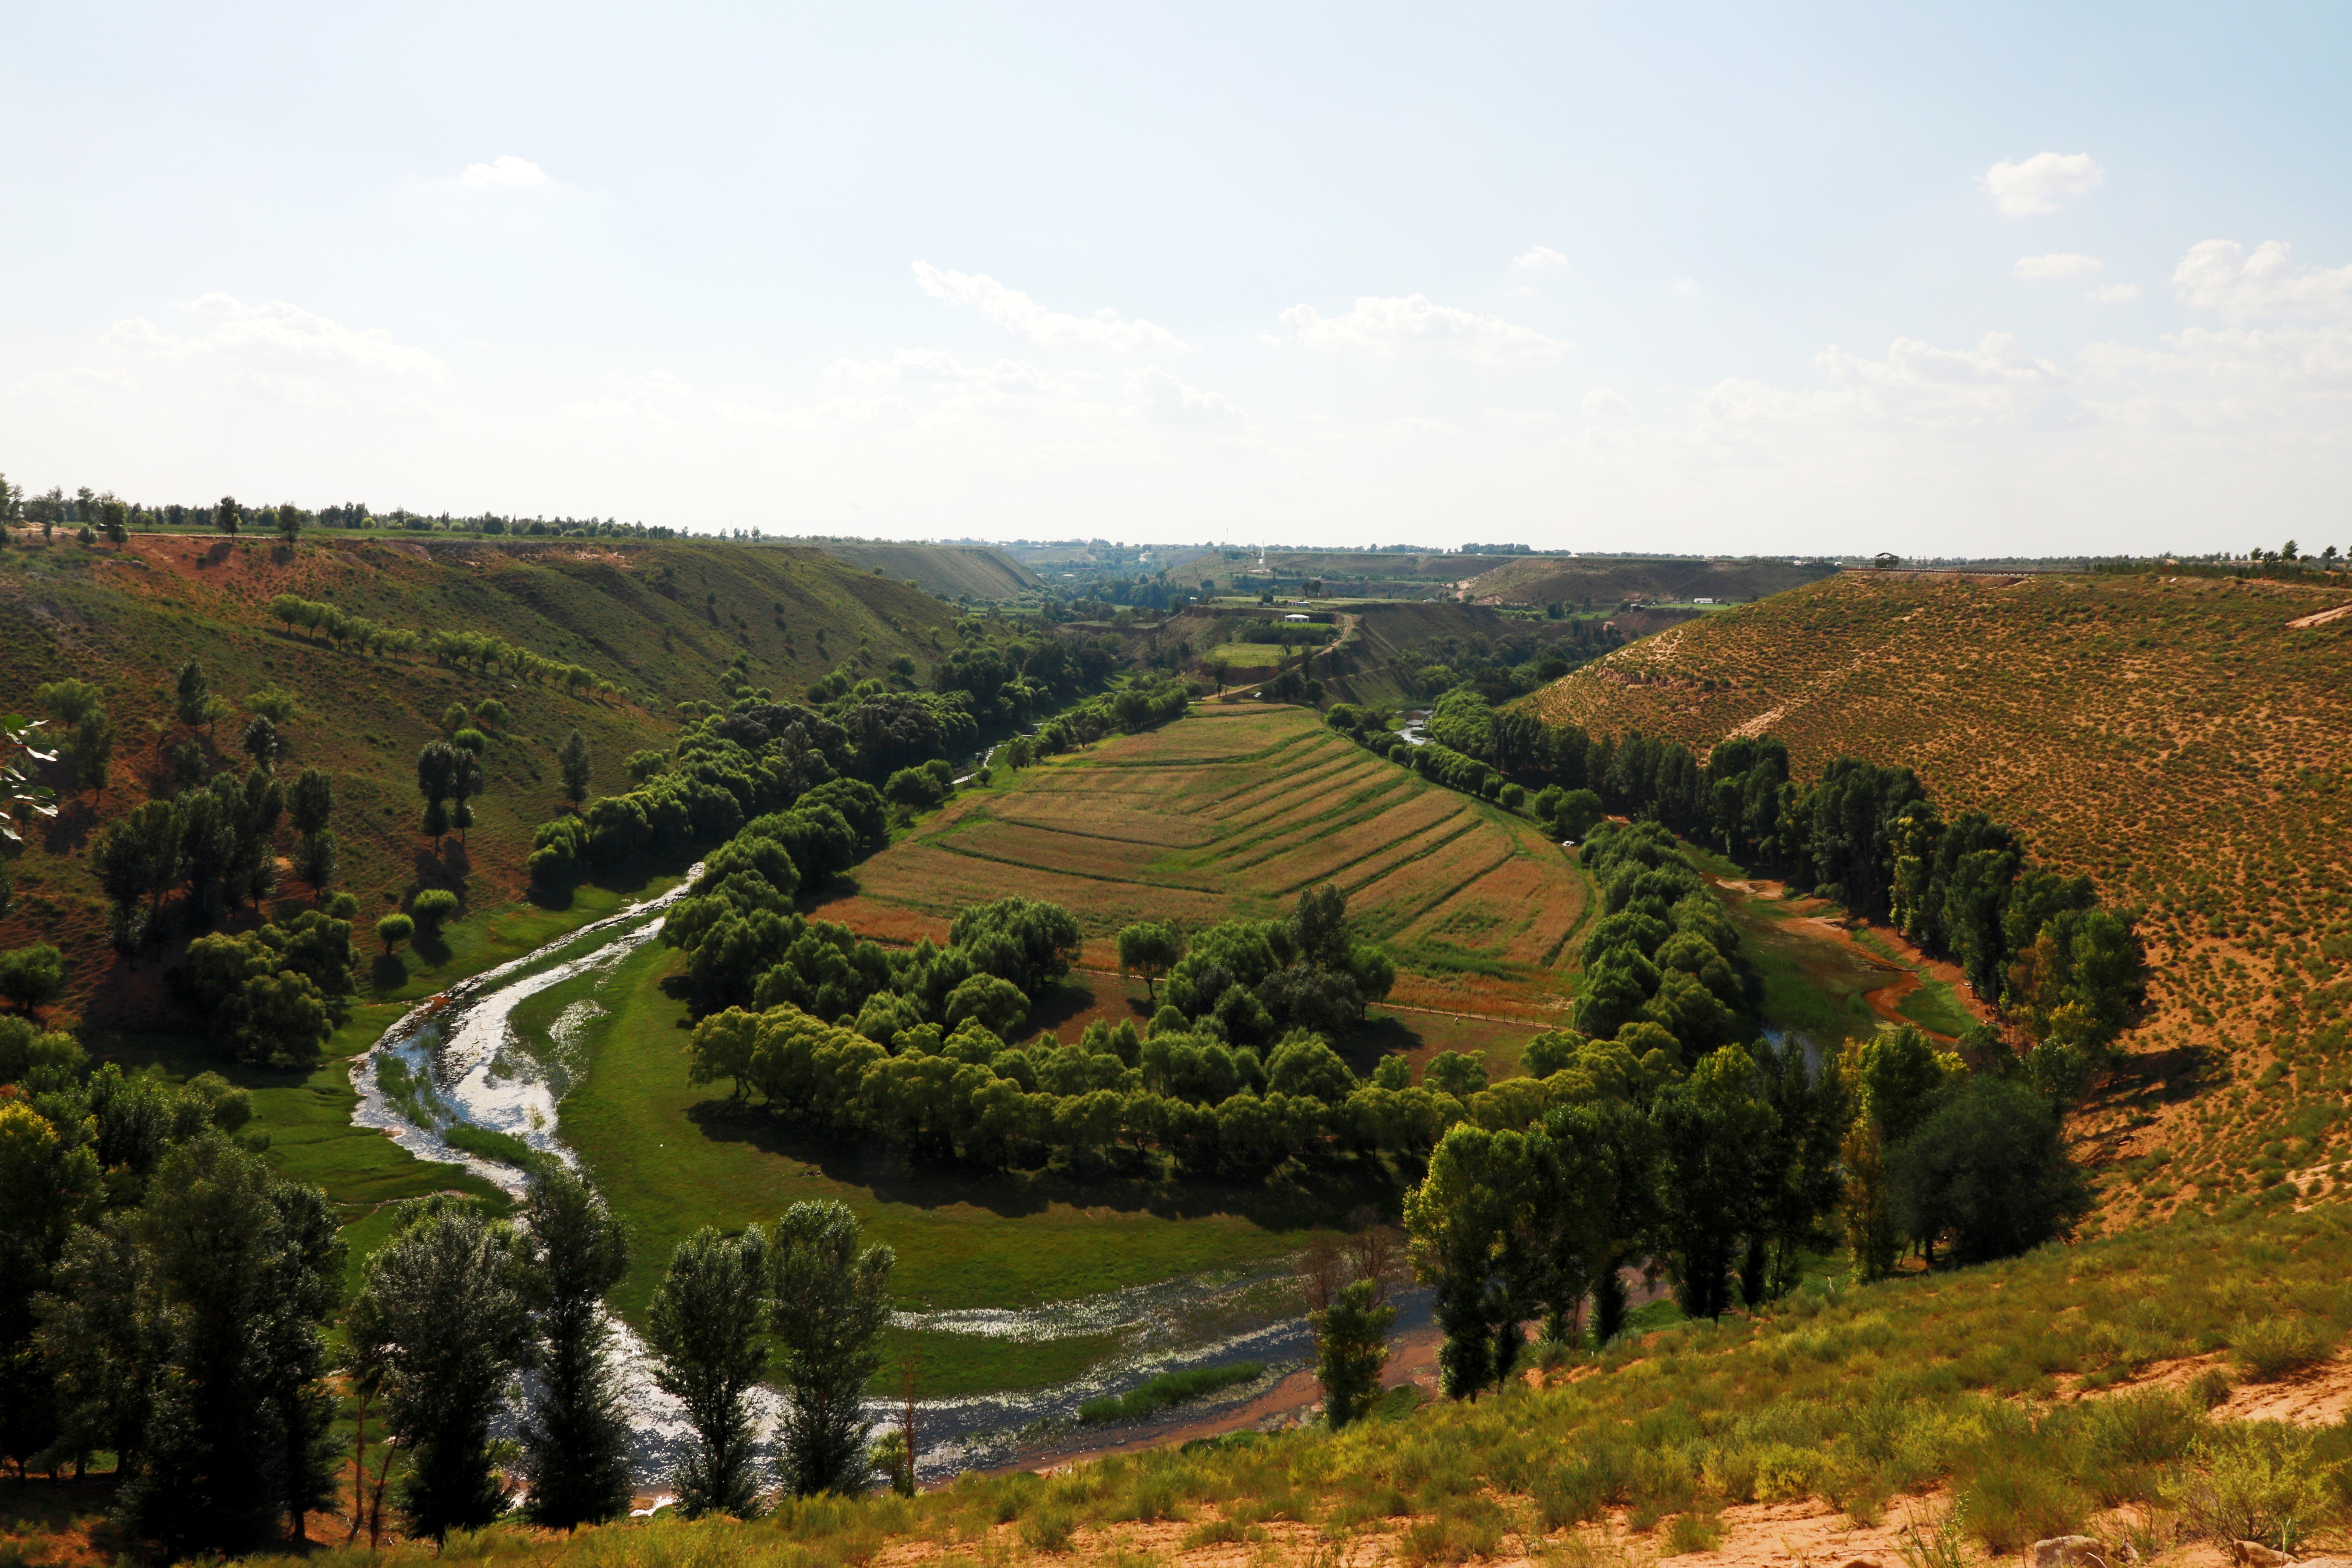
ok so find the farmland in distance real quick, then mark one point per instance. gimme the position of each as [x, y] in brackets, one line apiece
[1230, 813]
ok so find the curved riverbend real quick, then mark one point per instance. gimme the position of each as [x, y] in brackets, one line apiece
[454, 1060]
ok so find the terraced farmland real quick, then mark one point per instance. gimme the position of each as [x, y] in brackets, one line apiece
[1230, 811]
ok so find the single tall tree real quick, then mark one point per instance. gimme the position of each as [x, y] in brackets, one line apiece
[444, 1315]
[575, 1438]
[225, 516]
[192, 696]
[705, 1326]
[290, 523]
[831, 1303]
[1470, 1220]
[575, 760]
[437, 767]
[1149, 948]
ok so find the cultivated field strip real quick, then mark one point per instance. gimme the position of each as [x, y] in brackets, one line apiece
[1230, 813]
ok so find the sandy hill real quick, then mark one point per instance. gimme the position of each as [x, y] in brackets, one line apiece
[2181, 740]
[949, 571]
[1606, 580]
[660, 621]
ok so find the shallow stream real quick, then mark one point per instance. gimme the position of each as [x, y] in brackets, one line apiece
[454, 1061]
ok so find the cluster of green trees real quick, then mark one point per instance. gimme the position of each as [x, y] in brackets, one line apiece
[162, 1298]
[1661, 965]
[2065, 968]
[214, 845]
[726, 770]
[757, 757]
[340, 628]
[272, 996]
[460, 649]
[2068, 970]
[1014, 681]
[1723, 1178]
[114, 516]
[88, 741]
[1287, 634]
[1228, 1076]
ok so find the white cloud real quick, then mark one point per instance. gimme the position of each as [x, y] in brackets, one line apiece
[1156, 393]
[1379, 324]
[2037, 183]
[1524, 291]
[504, 173]
[1995, 383]
[1542, 259]
[277, 338]
[1023, 317]
[2113, 293]
[1685, 287]
[2064, 264]
[1606, 403]
[2218, 275]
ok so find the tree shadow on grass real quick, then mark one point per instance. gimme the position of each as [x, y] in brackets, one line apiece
[1300, 1195]
[387, 973]
[2150, 1079]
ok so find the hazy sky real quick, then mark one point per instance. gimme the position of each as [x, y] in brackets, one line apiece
[2007, 277]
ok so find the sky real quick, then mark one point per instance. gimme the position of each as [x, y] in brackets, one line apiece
[1965, 280]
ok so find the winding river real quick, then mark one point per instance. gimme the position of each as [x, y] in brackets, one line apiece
[455, 1060]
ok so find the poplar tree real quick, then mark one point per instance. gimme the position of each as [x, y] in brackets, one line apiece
[576, 1436]
[705, 1326]
[831, 1303]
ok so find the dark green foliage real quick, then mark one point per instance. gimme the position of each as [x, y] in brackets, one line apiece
[1990, 1168]
[1028, 941]
[188, 1337]
[705, 1326]
[1351, 1349]
[573, 759]
[831, 1302]
[32, 976]
[1149, 948]
[575, 1438]
[443, 1317]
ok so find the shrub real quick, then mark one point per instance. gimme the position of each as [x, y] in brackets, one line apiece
[2270, 1348]
[343, 907]
[471, 740]
[2009, 1510]
[1694, 1532]
[2255, 1481]
[1047, 1530]
[33, 976]
[433, 906]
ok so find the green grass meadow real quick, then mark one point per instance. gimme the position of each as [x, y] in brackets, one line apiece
[672, 1157]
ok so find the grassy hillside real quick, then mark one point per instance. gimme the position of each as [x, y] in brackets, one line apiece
[1607, 580]
[1230, 813]
[2180, 741]
[659, 621]
[2141, 1389]
[949, 571]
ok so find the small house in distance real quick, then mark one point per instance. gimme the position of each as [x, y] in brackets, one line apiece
[1301, 620]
